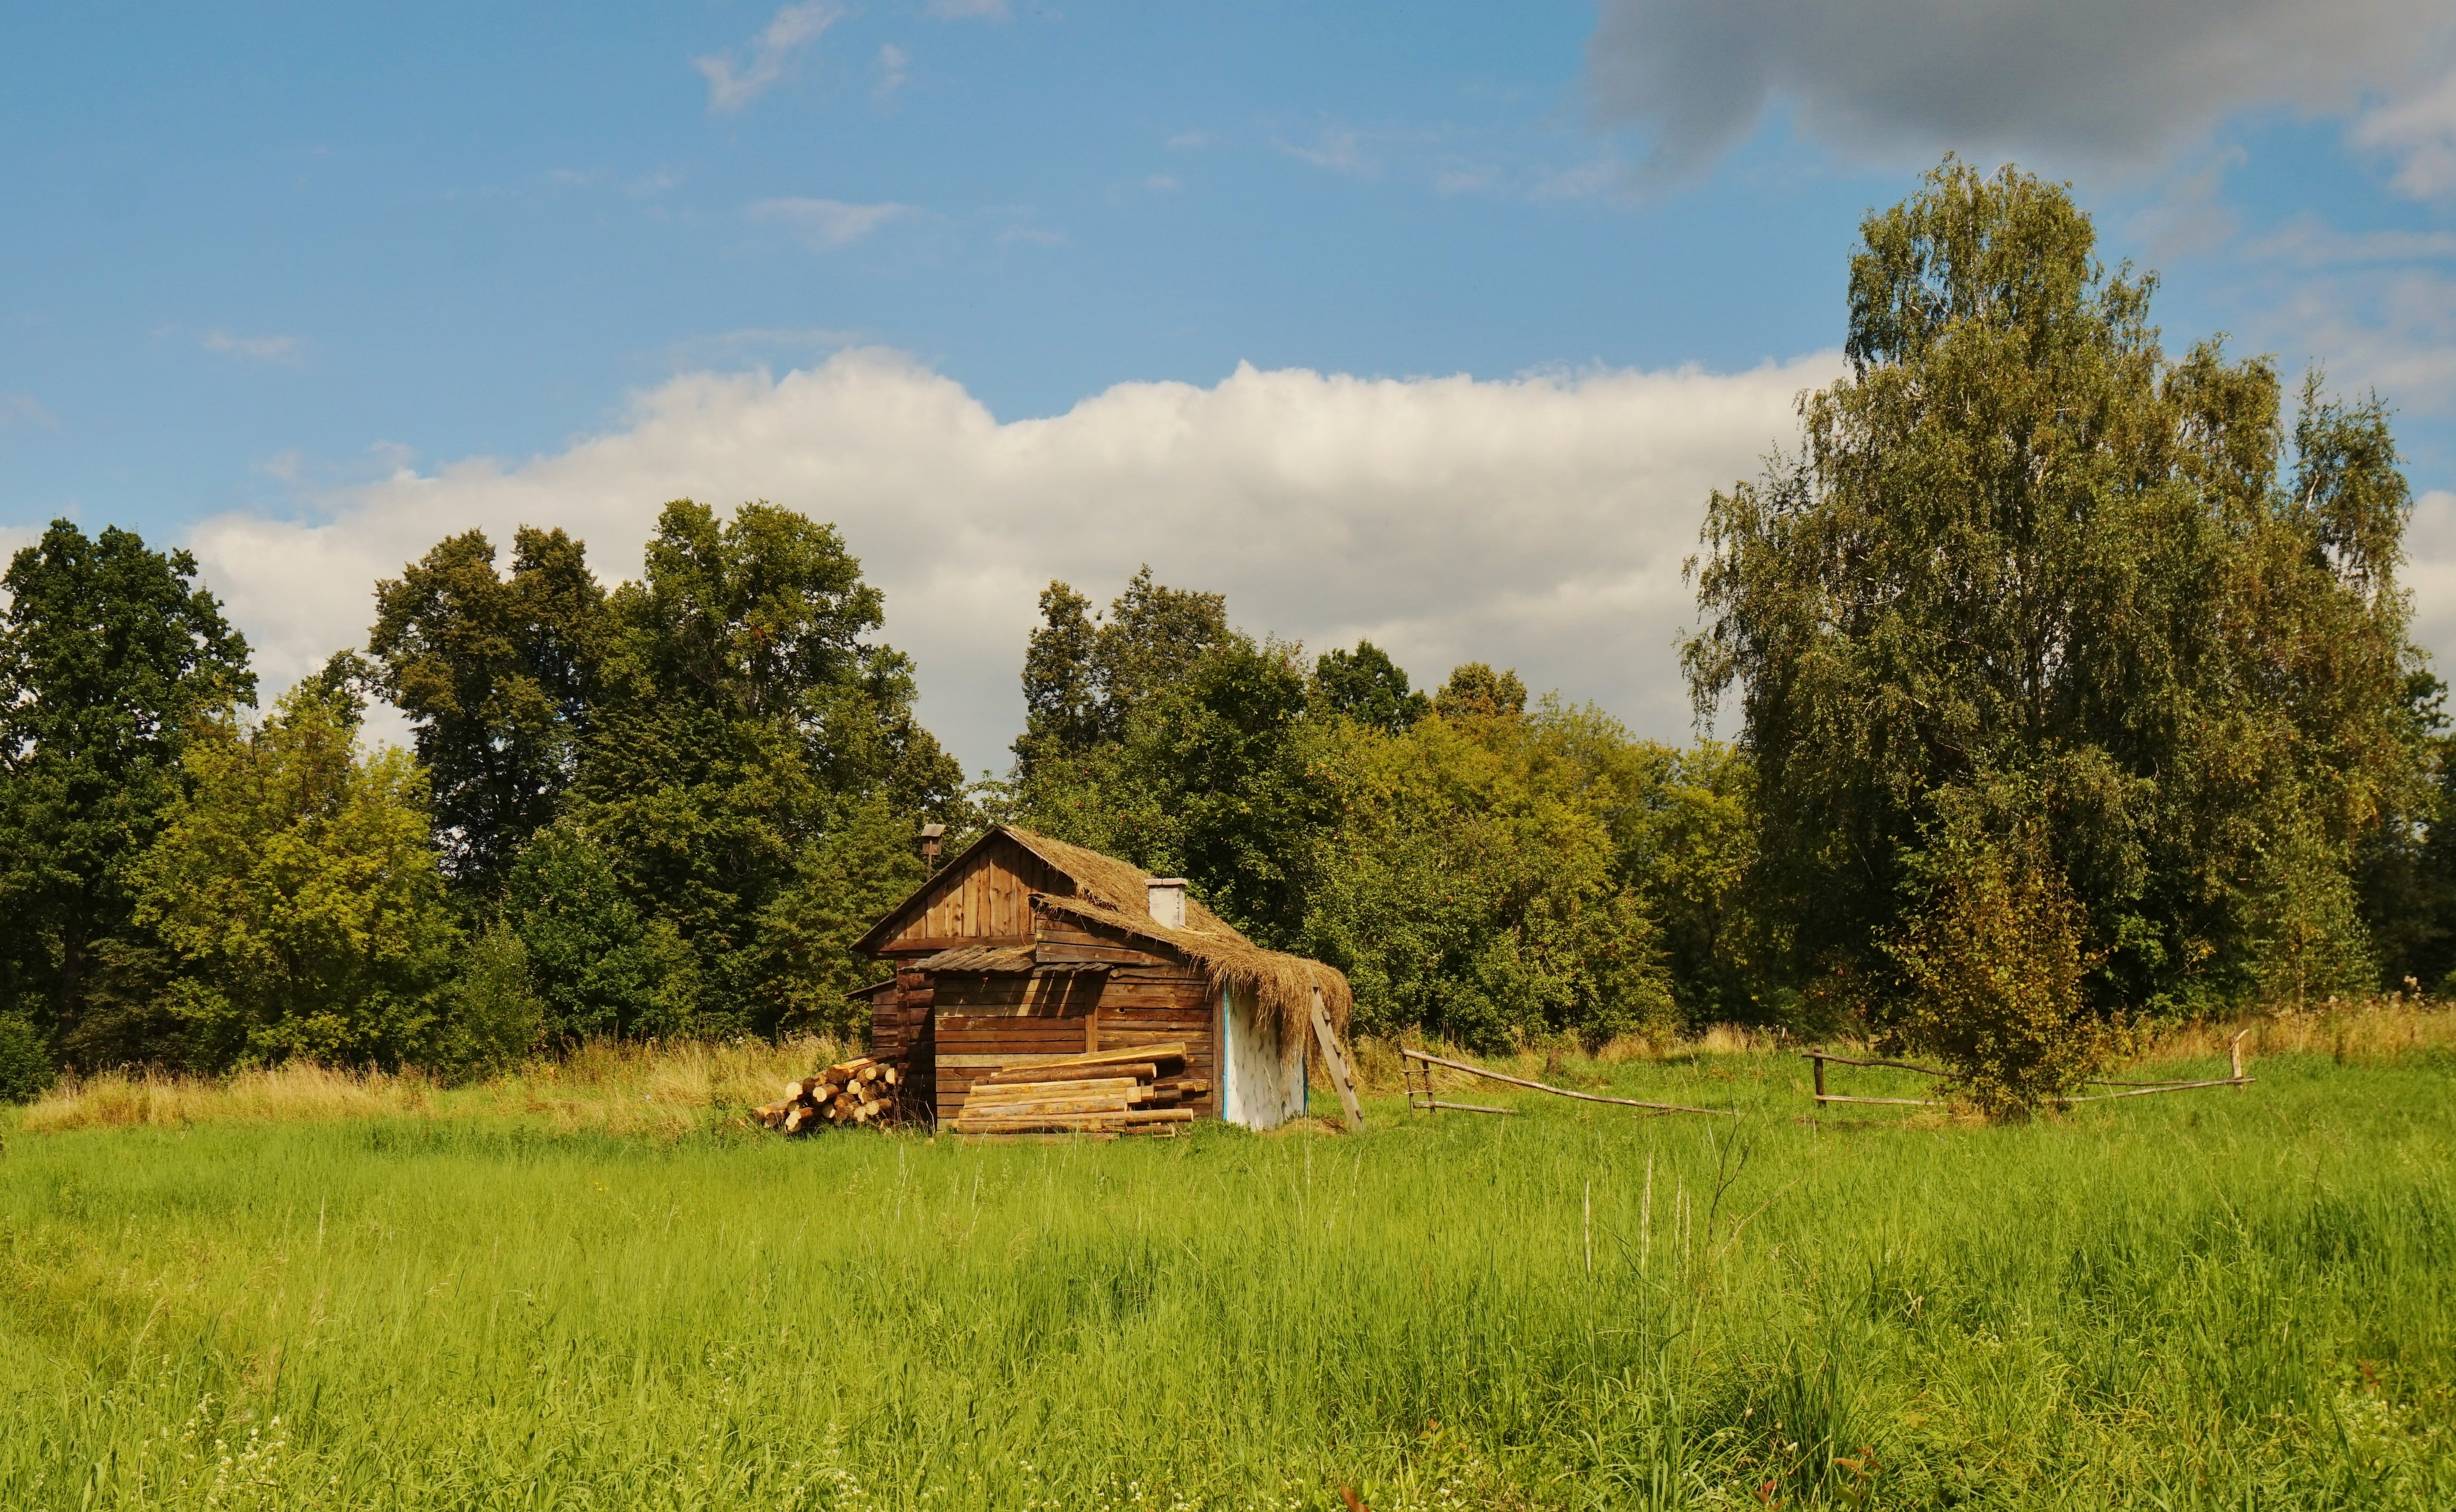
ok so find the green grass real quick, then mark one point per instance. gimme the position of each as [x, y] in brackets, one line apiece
[2211, 1299]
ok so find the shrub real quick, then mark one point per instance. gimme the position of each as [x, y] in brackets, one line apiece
[492, 1014]
[1994, 965]
[25, 1069]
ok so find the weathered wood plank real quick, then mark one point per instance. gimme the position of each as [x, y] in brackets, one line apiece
[1335, 1061]
[1057, 953]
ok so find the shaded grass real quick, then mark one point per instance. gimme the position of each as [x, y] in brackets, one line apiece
[2209, 1300]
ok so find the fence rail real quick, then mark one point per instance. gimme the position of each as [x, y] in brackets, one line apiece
[1821, 1058]
[1427, 1061]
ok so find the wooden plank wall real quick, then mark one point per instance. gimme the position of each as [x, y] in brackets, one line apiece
[984, 1024]
[989, 899]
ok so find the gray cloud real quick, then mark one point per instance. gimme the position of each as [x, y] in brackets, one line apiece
[2094, 80]
[2422, 133]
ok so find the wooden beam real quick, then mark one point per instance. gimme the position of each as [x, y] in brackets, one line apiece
[1334, 1062]
[932, 945]
[1561, 1092]
[2171, 1086]
[1895, 1065]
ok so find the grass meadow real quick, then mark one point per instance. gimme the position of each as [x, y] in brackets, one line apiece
[589, 1286]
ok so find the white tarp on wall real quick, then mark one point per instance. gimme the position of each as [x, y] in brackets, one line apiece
[1262, 1077]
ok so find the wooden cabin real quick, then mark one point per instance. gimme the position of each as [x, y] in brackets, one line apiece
[1025, 950]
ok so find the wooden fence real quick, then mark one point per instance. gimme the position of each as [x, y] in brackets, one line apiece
[2129, 1088]
[1422, 1062]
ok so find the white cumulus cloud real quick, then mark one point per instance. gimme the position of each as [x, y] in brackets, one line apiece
[789, 30]
[2430, 573]
[1537, 522]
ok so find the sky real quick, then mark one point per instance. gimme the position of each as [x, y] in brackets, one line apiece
[1432, 323]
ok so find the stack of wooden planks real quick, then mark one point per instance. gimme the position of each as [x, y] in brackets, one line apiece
[1139, 1091]
[853, 1091]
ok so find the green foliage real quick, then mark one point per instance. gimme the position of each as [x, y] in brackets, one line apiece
[1476, 691]
[1084, 680]
[1475, 887]
[1061, 695]
[107, 651]
[296, 883]
[2022, 549]
[1366, 686]
[2405, 871]
[746, 745]
[1211, 778]
[599, 969]
[496, 677]
[493, 1016]
[865, 866]
[1484, 875]
[1684, 825]
[27, 1070]
[687, 795]
[1992, 961]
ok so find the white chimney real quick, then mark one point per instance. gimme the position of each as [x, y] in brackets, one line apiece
[1167, 896]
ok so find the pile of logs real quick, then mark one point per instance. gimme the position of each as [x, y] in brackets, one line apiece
[853, 1091]
[1139, 1091]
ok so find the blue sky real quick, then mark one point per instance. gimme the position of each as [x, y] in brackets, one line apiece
[308, 286]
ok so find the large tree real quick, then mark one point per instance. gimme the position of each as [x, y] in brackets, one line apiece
[498, 677]
[748, 737]
[108, 651]
[1084, 676]
[1366, 685]
[2043, 624]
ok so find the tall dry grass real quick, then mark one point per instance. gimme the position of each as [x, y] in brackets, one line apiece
[2370, 1031]
[665, 1089]
[297, 1093]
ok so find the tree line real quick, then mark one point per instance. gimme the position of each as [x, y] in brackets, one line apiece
[2072, 683]
[661, 810]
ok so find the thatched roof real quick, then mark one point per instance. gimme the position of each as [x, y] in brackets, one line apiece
[1116, 894]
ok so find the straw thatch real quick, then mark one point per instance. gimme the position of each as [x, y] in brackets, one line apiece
[1115, 894]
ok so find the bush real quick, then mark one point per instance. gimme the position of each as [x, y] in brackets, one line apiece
[599, 969]
[1993, 964]
[492, 1016]
[25, 1069]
